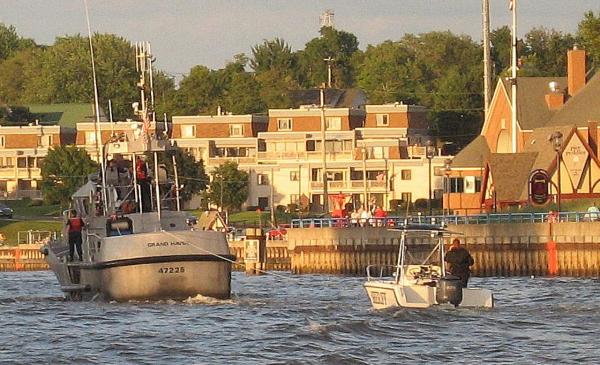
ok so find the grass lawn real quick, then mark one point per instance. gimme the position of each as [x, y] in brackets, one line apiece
[10, 228]
[25, 208]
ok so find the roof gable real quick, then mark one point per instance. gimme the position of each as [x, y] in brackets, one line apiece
[532, 110]
[473, 155]
[510, 172]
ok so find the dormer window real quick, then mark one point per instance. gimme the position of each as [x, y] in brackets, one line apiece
[383, 120]
[236, 130]
[188, 131]
[333, 123]
[284, 124]
[90, 138]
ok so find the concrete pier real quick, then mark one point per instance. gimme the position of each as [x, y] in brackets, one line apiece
[507, 249]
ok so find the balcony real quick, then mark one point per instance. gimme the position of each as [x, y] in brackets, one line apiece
[357, 185]
[222, 160]
[305, 155]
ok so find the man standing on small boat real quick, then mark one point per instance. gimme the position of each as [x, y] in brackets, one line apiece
[459, 262]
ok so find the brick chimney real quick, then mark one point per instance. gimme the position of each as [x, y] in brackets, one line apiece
[555, 98]
[575, 70]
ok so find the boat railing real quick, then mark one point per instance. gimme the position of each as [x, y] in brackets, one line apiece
[491, 218]
[378, 271]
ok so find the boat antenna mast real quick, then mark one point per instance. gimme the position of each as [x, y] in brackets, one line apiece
[145, 108]
[98, 132]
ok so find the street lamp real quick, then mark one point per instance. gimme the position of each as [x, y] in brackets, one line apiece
[429, 153]
[557, 140]
[447, 169]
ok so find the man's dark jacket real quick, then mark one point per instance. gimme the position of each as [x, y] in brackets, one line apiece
[460, 259]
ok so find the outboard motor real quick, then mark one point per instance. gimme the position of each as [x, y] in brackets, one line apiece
[449, 290]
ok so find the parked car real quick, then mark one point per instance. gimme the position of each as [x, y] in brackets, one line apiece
[6, 211]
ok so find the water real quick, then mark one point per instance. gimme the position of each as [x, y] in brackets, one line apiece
[302, 320]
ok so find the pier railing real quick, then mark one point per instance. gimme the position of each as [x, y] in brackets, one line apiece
[395, 221]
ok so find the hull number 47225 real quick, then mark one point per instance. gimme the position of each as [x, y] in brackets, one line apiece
[171, 270]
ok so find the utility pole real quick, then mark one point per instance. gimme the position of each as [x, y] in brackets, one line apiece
[272, 198]
[487, 69]
[513, 80]
[323, 155]
[328, 60]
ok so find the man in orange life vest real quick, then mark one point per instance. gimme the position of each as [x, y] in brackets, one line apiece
[75, 225]
[141, 174]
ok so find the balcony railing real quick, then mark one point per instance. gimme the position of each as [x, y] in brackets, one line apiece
[448, 219]
[352, 184]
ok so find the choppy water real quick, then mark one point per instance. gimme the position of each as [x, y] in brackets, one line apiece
[305, 320]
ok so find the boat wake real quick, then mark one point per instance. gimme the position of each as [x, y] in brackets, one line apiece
[201, 299]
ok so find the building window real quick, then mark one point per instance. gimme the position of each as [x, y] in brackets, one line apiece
[295, 199]
[2, 141]
[383, 120]
[262, 179]
[333, 123]
[236, 130]
[315, 175]
[284, 124]
[188, 131]
[406, 174]
[356, 174]
[8, 162]
[21, 162]
[472, 184]
[407, 197]
[334, 146]
[263, 202]
[311, 145]
[294, 175]
[457, 185]
[90, 138]
[45, 141]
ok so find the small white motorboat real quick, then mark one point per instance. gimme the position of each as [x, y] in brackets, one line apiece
[421, 283]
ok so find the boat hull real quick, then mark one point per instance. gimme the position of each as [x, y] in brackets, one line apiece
[166, 280]
[152, 266]
[388, 294]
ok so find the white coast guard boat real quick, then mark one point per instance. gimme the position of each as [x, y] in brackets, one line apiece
[424, 283]
[137, 243]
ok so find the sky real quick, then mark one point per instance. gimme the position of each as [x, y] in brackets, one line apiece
[185, 33]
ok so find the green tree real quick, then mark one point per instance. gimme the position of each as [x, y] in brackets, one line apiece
[63, 73]
[191, 173]
[11, 42]
[340, 46]
[274, 66]
[384, 74]
[545, 52]
[198, 92]
[14, 74]
[64, 170]
[229, 186]
[164, 94]
[275, 54]
[588, 35]
[501, 48]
